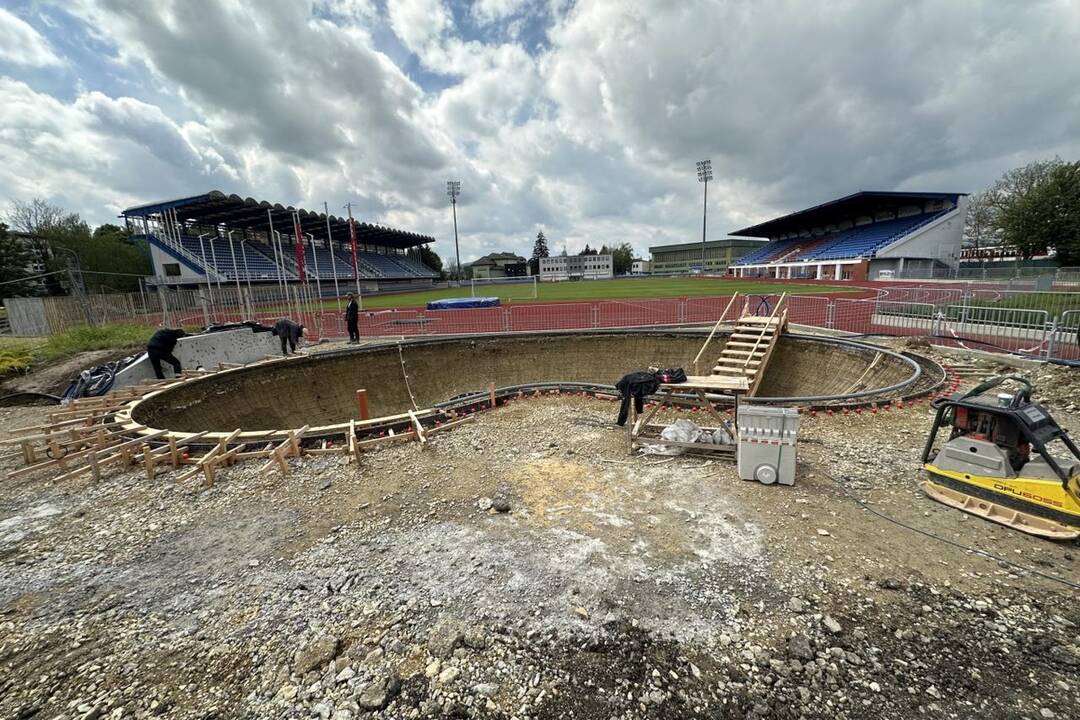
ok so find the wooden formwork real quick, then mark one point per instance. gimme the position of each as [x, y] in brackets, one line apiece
[90, 435]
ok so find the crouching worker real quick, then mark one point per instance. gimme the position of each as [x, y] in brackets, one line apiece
[290, 334]
[161, 346]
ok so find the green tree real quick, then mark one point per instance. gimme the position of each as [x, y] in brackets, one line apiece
[1018, 209]
[15, 259]
[540, 250]
[430, 258]
[588, 251]
[1047, 215]
[622, 258]
[980, 226]
[540, 247]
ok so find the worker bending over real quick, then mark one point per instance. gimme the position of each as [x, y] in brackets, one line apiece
[290, 334]
[161, 346]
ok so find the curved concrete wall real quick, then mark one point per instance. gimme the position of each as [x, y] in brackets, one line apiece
[321, 389]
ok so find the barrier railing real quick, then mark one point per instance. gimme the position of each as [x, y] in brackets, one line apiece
[1035, 324]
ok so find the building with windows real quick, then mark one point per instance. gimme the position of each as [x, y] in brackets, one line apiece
[686, 257]
[640, 267]
[576, 267]
[499, 265]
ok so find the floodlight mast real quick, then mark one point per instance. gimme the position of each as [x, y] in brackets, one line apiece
[704, 175]
[453, 189]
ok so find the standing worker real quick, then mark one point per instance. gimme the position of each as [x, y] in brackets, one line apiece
[352, 318]
[161, 346]
[289, 332]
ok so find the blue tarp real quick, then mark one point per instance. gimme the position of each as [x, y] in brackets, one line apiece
[462, 303]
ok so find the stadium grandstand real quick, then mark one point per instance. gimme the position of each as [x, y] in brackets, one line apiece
[219, 237]
[863, 236]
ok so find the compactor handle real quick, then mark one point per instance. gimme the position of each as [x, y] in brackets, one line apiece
[1022, 395]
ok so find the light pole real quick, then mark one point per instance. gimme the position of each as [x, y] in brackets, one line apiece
[333, 259]
[235, 269]
[315, 257]
[206, 272]
[453, 189]
[704, 175]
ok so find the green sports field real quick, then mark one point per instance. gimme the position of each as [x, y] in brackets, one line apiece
[621, 289]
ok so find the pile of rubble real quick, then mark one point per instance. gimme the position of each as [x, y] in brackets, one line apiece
[525, 566]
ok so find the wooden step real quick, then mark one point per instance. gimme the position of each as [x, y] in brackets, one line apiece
[735, 352]
[738, 361]
[740, 343]
[749, 336]
[758, 319]
[732, 372]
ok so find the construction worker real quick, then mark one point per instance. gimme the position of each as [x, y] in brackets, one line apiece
[290, 334]
[352, 318]
[161, 346]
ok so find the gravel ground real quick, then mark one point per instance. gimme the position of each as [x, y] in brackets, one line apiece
[524, 566]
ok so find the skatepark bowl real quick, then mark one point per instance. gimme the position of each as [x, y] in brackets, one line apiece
[319, 390]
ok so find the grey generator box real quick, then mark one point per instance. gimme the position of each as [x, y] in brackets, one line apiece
[767, 437]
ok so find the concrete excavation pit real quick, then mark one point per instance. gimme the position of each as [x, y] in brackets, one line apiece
[319, 390]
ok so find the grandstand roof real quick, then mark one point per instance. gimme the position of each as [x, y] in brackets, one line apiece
[709, 244]
[862, 203]
[233, 211]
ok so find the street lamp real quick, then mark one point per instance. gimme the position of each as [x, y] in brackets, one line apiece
[453, 189]
[704, 175]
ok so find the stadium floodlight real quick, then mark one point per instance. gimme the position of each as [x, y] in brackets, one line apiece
[704, 175]
[453, 189]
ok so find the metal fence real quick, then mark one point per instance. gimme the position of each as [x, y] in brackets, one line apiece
[1041, 325]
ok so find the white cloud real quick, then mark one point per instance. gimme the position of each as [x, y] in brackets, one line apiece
[490, 11]
[593, 139]
[418, 22]
[21, 44]
[98, 154]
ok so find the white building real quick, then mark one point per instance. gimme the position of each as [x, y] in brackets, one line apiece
[640, 267]
[576, 267]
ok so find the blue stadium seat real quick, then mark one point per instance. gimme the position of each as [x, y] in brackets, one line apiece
[260, 263]
[220, 257]
[864, 240]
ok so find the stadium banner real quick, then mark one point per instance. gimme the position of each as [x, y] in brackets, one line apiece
[352, 239]
[298, 232]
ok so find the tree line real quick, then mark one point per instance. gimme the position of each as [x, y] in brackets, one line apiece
[105, 259]
[1034, 209]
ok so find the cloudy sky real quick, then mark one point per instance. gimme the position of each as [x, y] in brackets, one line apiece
[581, 118]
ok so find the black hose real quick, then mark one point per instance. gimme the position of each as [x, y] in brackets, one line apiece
[1004, 560]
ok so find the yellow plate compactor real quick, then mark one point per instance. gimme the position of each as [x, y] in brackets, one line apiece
[1006, 460]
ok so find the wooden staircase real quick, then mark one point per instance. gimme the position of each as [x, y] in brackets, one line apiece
[748, 349]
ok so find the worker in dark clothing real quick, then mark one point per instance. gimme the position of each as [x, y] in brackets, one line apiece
[290, 334]
[352, 319]
[636, 385]
[161, 346]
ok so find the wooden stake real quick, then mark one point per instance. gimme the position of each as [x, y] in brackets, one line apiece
[354, 451]
[418, 428]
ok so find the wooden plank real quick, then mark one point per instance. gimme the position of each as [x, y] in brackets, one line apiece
[722, 383]
[419, 429]
[91, 453]
[354, 451]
